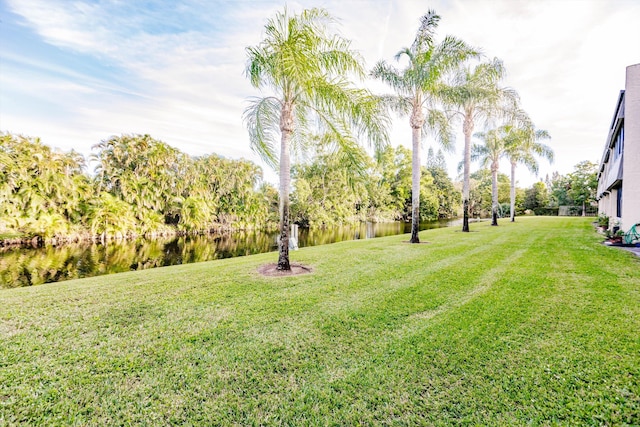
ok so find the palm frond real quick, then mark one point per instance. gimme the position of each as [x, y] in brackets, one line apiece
[530, 162]
[477, 91]
[262, 117]
[438, 124]
[480, 153]
[338, 58]
[303, 138]
[451, 53]
[401, 105]
[544, 151]
[405, 51]
[426, 32]
[391, 76]
[342, 143]
[363, 111]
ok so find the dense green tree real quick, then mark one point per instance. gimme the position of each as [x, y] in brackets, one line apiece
[429, 197]
[205, 183]
[325, 194]
[480, 195]
[418, 87]
[577, 188]
[306, 69]
[268, 205]
[195, 214]
[559, 186]
[389, 185]
[583, 184]
[239, 200]
[448, 196]
[42, 189]
[519, 205]
[193, 194]
[537, 196]
[436, 160]
[142, 171]
[111, 216]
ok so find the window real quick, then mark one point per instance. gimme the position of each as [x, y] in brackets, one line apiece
[619, 202]
[618, 145]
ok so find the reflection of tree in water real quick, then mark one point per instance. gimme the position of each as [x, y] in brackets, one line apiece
[318, 236]
[245, 243]
[26, 267]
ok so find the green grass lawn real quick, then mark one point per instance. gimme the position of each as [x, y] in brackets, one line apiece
[531, 323]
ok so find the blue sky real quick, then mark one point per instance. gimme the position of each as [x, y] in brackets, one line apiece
[76, 72]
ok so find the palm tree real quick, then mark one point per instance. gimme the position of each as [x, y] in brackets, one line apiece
[417, 87]
[522, 146]
[306, 69]
[489, 154]
[475, 95]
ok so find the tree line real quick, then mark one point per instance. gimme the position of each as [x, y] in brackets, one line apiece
[143, 186]
[575, 190]
[326, 192]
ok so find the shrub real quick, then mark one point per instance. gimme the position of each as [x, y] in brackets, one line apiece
[546, 211]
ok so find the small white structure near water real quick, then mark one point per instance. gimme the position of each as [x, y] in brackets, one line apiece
[293, 238]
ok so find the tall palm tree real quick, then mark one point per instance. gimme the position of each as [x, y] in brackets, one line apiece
[306, 69]
[476, 96]
[417, 87]
[489, 155]
[522, 145]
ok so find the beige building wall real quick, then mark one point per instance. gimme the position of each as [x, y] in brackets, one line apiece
[613, 205]
[631, 156]
[610, 202]
[603, 206]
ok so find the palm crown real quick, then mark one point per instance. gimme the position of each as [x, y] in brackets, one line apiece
[307, 70]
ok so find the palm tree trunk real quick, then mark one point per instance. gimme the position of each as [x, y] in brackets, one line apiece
[286, 127]
[416, 121]
[494, 193]
[512, 208]
[415, 185]
[467, 128]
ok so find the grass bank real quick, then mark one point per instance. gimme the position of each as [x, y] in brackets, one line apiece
[531, 323]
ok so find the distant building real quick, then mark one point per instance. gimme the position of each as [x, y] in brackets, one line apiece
[619, 173]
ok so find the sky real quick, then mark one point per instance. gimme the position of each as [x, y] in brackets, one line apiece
[75, 72]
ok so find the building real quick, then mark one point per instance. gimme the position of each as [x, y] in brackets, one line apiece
[619, 173]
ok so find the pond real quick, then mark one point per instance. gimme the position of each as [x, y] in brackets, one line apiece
[34, 266]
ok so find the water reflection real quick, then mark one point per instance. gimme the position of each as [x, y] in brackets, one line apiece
[27, 267]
